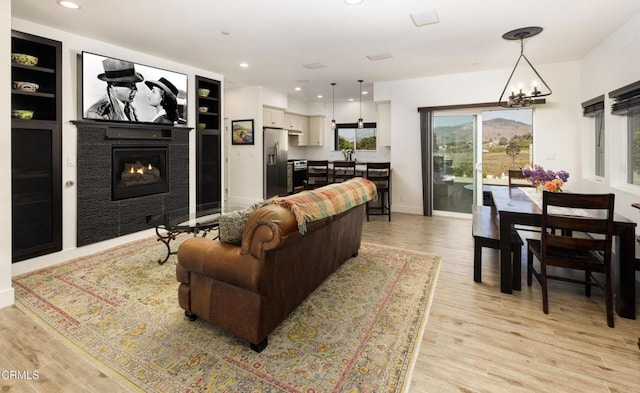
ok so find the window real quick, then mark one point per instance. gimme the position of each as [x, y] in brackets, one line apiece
[627, 103]
[595, 108]
[359, 139]
[633, 127]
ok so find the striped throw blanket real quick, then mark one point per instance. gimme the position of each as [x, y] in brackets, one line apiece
[327, 201]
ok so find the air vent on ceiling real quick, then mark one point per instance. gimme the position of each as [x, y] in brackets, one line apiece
[379, 56]
[314, 66]
[424, 18]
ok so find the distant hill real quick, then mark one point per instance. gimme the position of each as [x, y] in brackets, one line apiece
[491, 130]
[497, 128]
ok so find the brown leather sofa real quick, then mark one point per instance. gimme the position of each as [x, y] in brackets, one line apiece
[248, 290]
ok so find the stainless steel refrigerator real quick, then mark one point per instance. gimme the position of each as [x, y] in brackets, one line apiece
[276, 147]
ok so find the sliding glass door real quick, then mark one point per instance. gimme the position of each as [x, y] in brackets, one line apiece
[476, 148]
[453, 162]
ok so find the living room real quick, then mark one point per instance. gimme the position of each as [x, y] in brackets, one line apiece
[559, 127]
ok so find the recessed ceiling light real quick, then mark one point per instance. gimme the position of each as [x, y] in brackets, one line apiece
[353, 2]
[298, 88]
[365, 92]
[425, 18]
[244, 65]
[69, 4]
[351, 99]
[319, 95]
[224, 32]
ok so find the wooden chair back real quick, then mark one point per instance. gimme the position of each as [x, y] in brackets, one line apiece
[317, 174]
[343, 170]
[517, 179]
[379, 173]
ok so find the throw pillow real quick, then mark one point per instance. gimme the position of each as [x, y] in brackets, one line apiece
[231, 226]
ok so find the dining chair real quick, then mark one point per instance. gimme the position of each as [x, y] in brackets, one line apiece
[343, 170]
[317, 174]
[583, 242]
[380, 174]
[517, 179]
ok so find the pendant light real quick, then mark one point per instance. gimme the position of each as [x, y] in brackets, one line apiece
[521, 93]
[333, 101]
[360, 121]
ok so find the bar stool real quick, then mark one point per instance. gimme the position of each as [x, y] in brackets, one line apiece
[380, 174]
[343, 170]
[317, 174]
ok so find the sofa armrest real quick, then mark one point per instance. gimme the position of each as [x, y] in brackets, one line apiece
[217, 260]
[268, 228]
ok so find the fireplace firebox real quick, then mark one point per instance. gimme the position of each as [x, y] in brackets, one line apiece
[138, 171]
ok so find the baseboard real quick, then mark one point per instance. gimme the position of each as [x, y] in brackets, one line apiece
[7, 297]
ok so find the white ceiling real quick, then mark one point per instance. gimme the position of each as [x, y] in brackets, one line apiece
[277, 37]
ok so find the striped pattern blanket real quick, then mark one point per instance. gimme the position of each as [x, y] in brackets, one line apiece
[327, 201]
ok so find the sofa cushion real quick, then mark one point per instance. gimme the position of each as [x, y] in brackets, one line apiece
[231, 226]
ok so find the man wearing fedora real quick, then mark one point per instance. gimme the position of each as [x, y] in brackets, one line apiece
[121, 78]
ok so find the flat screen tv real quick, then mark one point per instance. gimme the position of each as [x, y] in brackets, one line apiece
[123, 91]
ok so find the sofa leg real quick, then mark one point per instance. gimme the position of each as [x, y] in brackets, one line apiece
[260, 346]
[355, 254]
[192, 317]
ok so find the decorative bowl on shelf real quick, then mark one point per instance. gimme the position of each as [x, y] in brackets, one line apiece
[25, 86]
[202, 126]
[203, 109]
[22, 114]
[24, 59]
[204, 92]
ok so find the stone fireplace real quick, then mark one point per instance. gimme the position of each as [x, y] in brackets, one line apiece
[114, 201]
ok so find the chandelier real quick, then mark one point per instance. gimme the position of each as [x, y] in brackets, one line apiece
[525, 84]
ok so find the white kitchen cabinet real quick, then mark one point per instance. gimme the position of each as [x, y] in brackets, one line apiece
[383, 123]
[315, 134]
[292, 122]
[272, 117]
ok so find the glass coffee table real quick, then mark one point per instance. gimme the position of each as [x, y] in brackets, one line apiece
[196, 219]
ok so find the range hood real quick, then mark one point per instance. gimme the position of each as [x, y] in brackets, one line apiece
[295, 132]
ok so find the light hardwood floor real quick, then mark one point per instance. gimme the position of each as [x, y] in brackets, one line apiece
[477, 339]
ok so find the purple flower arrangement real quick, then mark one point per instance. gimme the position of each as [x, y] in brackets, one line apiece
[550, 180]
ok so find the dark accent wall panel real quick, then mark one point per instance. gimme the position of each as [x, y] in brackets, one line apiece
[100, 218]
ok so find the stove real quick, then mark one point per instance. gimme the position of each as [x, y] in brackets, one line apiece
[299, 165]
[299, 175]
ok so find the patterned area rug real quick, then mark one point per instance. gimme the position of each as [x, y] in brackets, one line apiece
[358, 332]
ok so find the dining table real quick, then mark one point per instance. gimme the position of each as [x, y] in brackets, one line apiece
[517, 207]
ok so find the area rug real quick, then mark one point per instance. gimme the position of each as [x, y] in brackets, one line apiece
[358, 332]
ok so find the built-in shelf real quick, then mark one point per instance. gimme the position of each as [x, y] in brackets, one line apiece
[208, 143]
[36, 149]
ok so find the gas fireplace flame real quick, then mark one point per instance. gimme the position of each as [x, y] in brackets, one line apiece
[138, 174]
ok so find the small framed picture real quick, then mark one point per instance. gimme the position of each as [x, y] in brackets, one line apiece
[242, 132]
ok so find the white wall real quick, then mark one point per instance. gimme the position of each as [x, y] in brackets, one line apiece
[72, 45]
[6, 291]
[613, 64]
[555, 127]
[245, 161]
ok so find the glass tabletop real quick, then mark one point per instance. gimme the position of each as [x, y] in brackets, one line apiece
[201, 216]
